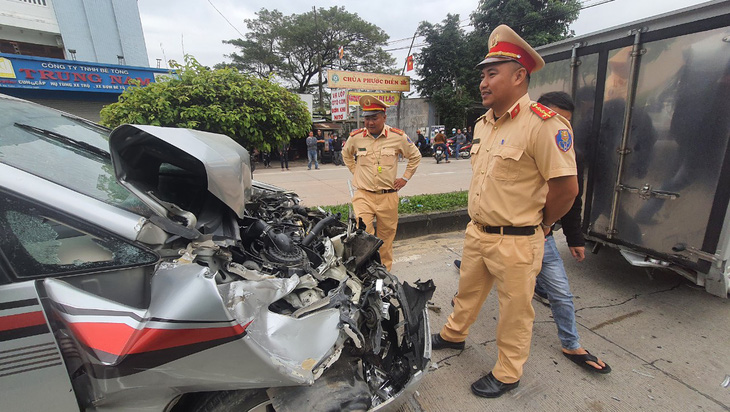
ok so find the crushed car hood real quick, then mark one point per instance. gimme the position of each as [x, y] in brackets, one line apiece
[162, 164]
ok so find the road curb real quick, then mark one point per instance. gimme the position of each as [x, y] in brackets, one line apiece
[410, 226]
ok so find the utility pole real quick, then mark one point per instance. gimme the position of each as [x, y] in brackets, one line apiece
[319, 54]
[402, 72]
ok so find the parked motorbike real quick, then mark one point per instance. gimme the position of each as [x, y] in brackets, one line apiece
[464, 151]
[425, 150]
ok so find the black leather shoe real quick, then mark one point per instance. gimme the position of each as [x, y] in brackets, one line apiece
[437, 343]
[490, 387]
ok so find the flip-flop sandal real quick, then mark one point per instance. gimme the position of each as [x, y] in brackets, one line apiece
[582, 359]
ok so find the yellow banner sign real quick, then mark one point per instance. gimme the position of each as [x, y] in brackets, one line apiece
[338, 79]
[390, 99]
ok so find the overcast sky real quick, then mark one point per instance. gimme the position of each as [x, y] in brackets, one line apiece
[197, 27]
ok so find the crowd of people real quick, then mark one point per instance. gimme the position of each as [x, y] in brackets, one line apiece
[328, 149]
[320, 149]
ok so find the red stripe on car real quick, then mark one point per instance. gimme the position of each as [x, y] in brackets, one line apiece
[120, 339]
[22, 320]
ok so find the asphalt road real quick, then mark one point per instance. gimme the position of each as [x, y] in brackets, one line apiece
[665, 339]
[328, 185]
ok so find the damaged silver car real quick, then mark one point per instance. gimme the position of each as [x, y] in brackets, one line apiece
[143, 270]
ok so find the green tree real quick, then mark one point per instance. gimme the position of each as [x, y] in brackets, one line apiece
[254, 112]
[292, 47]
[446, 63]
[446, 69]
[539, 22]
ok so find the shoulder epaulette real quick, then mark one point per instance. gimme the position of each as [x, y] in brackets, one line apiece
[354, 133]
[543, 112]
[397, 131]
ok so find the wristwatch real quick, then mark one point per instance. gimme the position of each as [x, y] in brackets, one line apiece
[544, 226]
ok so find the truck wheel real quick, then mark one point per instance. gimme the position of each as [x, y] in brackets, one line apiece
[255, 400]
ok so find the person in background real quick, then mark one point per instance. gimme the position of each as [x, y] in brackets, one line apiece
[459, 142]
[284, 155]
[337, 151]
[421, 143]
[375, 171]
[440, 141]
[552, 282]
[320, 145]
[312, 151]
[469, 135]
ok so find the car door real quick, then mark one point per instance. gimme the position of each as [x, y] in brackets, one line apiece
[38, 243]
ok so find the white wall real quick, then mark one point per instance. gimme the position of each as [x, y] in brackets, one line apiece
[308, 99]
[24, 14]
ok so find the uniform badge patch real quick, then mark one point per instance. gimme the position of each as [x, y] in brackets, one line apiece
[564, 140]
[409, 140]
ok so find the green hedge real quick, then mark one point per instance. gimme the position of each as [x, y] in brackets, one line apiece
[410, 205]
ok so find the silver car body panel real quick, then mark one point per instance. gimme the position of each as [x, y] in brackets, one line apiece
[30, 358]
[267, 349]
[227, 164]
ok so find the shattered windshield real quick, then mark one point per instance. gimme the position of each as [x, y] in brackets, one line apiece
[38, 147]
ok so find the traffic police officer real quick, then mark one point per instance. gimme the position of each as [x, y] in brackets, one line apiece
[523, 180]
[377, 147]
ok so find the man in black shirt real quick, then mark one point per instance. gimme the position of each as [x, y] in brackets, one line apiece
[337, 151]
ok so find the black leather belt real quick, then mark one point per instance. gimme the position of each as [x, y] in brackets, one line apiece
[509, 230]
[380, 192]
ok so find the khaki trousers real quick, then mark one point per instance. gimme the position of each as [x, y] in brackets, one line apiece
[512, 262]
[383, 207]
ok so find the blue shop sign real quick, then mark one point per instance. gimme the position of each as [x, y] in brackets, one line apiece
[28, 72]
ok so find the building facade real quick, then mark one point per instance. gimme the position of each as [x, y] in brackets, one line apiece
[73, 55]
[99, 31]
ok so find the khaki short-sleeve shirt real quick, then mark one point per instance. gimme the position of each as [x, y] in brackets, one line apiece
[512, 160]
[373, 160]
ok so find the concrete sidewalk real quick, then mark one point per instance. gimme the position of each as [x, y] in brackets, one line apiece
[665, 339]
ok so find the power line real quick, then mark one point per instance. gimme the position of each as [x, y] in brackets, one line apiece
[409, 38]
[403, 48]
[224, 18]
[584, 5]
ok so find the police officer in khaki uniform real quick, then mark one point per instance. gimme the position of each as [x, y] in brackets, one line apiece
[371, 154]
[523, 180]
